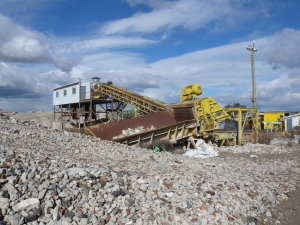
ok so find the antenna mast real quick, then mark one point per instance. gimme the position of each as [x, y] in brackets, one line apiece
[252, 50]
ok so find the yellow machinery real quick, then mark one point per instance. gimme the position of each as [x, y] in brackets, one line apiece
[190, 92]
[210, 117]
[208, 113]
[209, 120]
[271, 121]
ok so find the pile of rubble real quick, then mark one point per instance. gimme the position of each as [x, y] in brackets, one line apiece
[133, 131]
[53, 177]
[277, 147]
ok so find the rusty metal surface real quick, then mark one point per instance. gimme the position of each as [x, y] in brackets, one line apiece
[157, 119]
[182, 105]
[183, 113]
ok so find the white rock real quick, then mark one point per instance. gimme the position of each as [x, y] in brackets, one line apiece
[28, 203]
[77, 170]
[170, 194]
[141, 181]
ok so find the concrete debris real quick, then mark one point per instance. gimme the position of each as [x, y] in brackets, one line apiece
[277, 147]
[53, 177]
[25, 204]
[133, 131]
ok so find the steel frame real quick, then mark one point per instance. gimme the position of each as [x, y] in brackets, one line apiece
[245, 116]
[142, 104]
[86, 109]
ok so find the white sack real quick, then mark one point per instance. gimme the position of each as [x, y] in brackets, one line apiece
[203, 150]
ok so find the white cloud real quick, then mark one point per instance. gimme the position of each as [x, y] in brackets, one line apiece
[224, 72]
[283, 49]
[121, 60]
[282, 102]
[211, 67]
[280, 93]
[103, 43]
[16, 82]
[56, 78]
[189, 14]
[18, 44]
[23, 45]
[66, 64]
[284, 83]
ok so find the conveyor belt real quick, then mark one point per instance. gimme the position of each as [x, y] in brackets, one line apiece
[141, 103]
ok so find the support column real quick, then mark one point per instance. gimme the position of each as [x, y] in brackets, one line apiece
[69, 112]
[79, 116]
[240, 127]
[256, 127]
[90, 108]
[61, 114]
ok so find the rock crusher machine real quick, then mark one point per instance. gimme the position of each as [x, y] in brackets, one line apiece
[179, 123]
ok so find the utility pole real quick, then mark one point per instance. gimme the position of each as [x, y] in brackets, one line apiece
[252, 50]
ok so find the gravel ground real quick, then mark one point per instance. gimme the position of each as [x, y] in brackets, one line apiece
[286, 212]
[52, 177]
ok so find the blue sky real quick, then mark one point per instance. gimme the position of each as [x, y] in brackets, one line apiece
[154, 47]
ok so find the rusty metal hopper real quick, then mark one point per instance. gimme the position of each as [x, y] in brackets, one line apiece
[173, 115]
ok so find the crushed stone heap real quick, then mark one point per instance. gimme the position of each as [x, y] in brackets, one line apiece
[53, 177]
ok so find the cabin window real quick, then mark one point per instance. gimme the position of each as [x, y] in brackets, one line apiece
[74, 90]
[65, 92]
[57, 94]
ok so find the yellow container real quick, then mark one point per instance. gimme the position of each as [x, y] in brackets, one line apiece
[269, 117]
